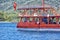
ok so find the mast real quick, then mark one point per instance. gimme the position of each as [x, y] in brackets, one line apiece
[43, 3]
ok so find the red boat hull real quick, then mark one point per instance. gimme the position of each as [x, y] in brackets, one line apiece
[34, 25]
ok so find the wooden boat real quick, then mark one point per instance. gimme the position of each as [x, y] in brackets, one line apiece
[39, 17]
[39, 21]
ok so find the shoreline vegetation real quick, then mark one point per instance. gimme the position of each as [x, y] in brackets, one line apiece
[8, 16]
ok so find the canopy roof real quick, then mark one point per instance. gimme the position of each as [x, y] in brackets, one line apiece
[33, 7]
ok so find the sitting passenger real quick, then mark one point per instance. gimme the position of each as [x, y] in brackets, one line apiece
[24, 19]
[52, 20]
[37, 20]
[45, 20]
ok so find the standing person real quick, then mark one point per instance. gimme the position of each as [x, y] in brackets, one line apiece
[14, 5]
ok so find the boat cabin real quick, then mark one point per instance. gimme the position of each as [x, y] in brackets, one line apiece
[38, 17]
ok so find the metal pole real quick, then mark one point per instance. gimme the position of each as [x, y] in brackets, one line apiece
[43, 3]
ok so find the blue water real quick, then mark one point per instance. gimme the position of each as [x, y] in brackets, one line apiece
[10, 32]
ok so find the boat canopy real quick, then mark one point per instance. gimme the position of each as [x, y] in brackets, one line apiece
[33, 7]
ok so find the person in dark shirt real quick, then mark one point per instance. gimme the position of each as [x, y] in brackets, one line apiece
[45, 20]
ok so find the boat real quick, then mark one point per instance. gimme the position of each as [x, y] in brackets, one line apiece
[39, 17]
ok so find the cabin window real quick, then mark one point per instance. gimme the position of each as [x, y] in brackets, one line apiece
[24, 19]
[45, 20]
[38, 12]
[37, 21]
[30, 12]
[52, 20]
[30, 19]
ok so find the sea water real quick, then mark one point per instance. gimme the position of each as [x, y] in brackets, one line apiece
[10, 32]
